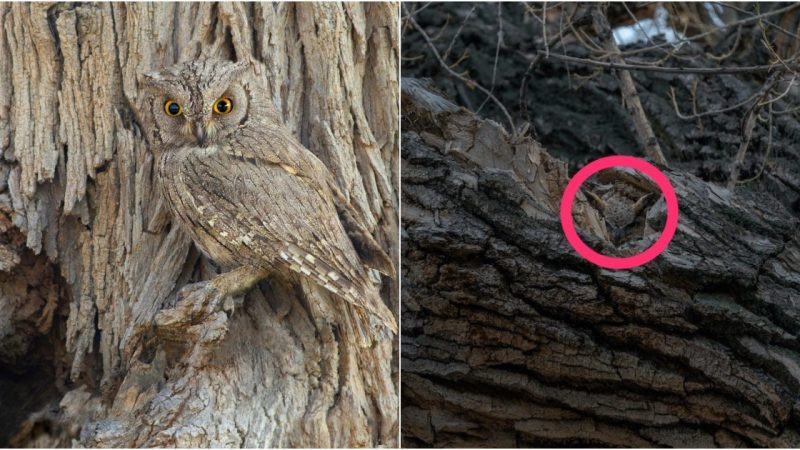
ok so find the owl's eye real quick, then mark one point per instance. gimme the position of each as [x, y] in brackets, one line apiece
[172, 108]
[223, 105]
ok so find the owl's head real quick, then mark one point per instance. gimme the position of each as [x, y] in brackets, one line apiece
[197, 103]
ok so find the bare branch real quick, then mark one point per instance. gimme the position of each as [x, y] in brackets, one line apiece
[458, 32]
[766, 153]
[708, 113]
[496, 52]
[674, 70]
[744, 11]
[629, 94]
[747, 129]
[454, 74]
[710, 32]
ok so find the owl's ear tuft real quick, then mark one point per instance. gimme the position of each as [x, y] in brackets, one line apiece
[151, 82]
[596, 202]
[643, 202]
[239, 69]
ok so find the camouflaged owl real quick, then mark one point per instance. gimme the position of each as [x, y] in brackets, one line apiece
[250, 195]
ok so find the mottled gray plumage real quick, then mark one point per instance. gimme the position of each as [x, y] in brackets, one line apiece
[622, 207]
[250, 195]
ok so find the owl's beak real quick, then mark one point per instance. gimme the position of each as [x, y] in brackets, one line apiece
[200, 133]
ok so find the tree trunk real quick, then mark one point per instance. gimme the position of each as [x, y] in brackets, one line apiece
[512, 339]
[88, 259]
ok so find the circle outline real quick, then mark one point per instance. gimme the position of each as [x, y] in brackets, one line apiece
[610, 262]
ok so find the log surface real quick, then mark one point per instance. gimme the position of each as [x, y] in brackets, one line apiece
[509, 338]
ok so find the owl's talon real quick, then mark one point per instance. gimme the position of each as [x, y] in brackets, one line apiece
[201, 299]
[214, 302]
[231, 303]
[194, 321]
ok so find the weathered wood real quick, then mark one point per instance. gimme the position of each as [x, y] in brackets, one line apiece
[89, 260]
[509, 338]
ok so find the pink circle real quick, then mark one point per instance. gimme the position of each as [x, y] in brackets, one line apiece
[610, 262]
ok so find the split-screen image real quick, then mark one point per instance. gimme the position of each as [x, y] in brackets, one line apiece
[399, 224]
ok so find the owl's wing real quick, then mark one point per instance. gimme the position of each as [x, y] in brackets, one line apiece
[283, 150]
[283, 218]
[367, 247]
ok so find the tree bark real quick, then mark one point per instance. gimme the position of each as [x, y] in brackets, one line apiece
[509, 338]
[88, 259]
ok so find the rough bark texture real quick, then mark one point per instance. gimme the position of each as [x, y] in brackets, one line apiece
[88, 259]
[509, 338]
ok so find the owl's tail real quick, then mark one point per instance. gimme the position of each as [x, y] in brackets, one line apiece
[368, 249]
[371, 300]
[359, 292]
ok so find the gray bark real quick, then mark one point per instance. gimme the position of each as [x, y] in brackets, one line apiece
[509, 338]
[88, 258]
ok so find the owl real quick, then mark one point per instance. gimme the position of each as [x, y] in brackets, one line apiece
[622, 207]
[250, 195]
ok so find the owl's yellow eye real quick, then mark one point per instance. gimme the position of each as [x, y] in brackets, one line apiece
[172, 108]
[223, 105]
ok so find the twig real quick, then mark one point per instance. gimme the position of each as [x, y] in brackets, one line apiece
[496, 52]
[781, 95]
[628, 88]
[442, 29]
[787, 111]
[694, 96]
[747, 129]
[464, 56]
[586, 41]
[458, 32]
[544, 27]
[454, 74]
[536, 58]
[712, 31]
[418, 10]
[765, 42]
[730, 52]
[747, 133]
[766, 153]
[708, 113]
[638, 23]
[773, 25]
[675, 70]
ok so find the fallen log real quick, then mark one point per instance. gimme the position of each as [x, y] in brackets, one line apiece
[510, 338]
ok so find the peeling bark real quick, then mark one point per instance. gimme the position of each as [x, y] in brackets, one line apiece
[509, 338]
[88, 259]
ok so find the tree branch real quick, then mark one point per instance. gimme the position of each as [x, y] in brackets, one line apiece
[629, 95]
[673, 70]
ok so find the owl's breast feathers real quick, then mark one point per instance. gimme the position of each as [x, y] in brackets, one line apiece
[269, 205]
